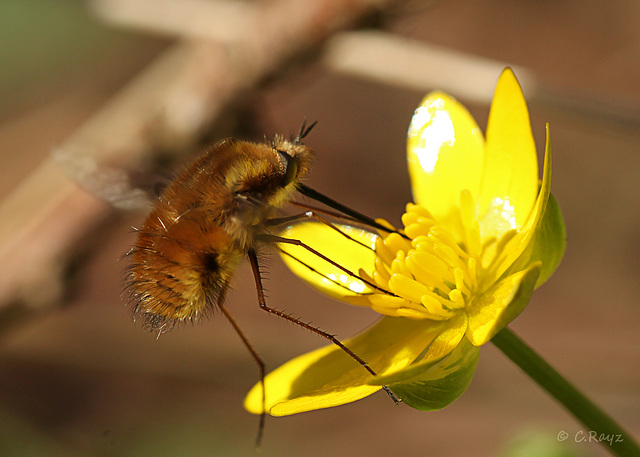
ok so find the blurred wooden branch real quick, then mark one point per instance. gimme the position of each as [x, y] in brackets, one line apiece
[412, 64]
[222, 21]
[168, 105]
[394, 60]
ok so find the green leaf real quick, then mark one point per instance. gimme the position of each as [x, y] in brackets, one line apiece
[440, 384]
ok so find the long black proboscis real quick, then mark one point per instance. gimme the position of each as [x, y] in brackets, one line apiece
[330, 202]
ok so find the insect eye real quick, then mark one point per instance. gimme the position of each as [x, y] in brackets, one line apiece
[290, 166]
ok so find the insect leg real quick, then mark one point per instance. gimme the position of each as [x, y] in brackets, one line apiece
[313, 213]
[255, 355]
[253, 259]
[278, 239]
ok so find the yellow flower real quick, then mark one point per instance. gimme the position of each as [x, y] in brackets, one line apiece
[483, 232]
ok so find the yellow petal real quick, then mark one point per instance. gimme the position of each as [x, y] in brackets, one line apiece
[450, 335]
[510, 180]
[329, 377]
[349, 254]
[445, 150]
[497, 307]
[523, 239]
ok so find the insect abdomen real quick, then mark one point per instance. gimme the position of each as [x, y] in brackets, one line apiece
[179, 268]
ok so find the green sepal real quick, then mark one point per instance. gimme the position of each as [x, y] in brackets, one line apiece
[550, 241]
[548, 244]
[440, 384]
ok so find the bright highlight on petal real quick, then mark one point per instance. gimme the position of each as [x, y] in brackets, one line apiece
[510, 176]
[431, 128]
[353, 246]
[483, 233]
[444, 155]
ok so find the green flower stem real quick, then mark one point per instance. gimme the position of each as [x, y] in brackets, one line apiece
[607, 431]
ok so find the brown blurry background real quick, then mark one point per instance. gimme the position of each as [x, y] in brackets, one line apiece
[79, 378]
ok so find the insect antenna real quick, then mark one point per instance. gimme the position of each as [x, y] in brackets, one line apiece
[304, 131]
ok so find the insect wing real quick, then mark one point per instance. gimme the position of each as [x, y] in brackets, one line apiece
[118, 179]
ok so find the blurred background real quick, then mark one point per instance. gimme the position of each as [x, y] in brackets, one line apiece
[97, 96]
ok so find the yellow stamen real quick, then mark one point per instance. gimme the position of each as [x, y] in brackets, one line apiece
[395, 242]
[459, 275]
[457, 298]
[383, 252]
[434, 274]
[407, 288]
[420, 210]
[399, 307]
[425, 267]
[417, 229]
[399, 265]
[470, 223]
[472, 273]
[434, 304]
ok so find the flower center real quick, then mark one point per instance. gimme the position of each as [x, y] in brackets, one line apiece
[434, 274]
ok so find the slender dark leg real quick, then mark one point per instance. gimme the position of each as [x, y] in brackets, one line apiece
[278, 239]
[253, 259]
[313, 213]
[256, 357]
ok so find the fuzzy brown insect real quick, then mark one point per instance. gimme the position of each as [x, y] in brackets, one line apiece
[204, 224]
[216, 212]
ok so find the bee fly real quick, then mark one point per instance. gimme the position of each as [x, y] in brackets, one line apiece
[216, 212]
